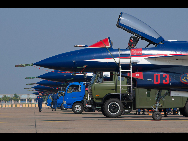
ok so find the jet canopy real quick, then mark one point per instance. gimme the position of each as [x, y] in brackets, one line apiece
[138, 28]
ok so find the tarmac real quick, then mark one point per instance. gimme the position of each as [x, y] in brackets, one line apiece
[30, 120]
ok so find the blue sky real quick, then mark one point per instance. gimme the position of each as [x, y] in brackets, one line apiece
[29, 35]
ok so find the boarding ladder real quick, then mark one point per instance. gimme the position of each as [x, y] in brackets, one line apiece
[120, 70]
[130, 71]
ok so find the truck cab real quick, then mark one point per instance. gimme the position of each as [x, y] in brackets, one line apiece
[105, 95]
[74, 97]
[59, 101]
[100, 89]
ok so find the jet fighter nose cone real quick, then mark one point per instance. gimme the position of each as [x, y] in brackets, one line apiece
[49, 75]
[83, 60]
[58, 61]
[46, 63]
[98, 57]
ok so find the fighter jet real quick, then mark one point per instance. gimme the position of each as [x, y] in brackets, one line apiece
[64, 76]
[51, 83]
[47, 86]
[165, 56]
[39, 87]
[48, 83]
[60, 79]
[44, 89]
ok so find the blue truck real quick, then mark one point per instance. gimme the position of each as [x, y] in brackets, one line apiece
[59, 101]
[73, 97]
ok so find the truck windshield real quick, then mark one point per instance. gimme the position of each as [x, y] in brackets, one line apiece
[74, 88]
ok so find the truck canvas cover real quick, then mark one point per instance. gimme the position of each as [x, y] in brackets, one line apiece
[138, 28]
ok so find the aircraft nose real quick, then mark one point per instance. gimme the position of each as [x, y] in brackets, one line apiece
[48, 62]
[47, 75]
[62, 61]
[42, 76]
[82, 60]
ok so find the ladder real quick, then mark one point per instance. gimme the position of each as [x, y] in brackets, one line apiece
[130, 70]
[120, 70]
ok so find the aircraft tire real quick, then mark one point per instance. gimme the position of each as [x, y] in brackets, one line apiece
[182, 111]
[186, 109]
[113, 108]
[157, 116]
[77, 108]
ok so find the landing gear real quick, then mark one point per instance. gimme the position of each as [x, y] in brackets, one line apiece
[156, 114]
[184, 110]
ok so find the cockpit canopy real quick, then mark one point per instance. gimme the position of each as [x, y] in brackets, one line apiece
[138, 28]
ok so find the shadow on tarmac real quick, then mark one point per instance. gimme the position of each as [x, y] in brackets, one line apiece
[141, 118]
[57, 120]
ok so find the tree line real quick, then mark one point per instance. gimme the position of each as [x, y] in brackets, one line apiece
[7, 98]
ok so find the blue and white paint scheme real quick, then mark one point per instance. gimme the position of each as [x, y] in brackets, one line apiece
[164, 57]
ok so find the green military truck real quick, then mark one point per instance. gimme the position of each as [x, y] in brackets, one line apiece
[105, 96]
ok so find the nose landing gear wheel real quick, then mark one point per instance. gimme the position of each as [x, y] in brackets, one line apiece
[157, 116]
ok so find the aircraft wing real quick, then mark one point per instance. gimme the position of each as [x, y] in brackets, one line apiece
[173, 63]
[181, 60]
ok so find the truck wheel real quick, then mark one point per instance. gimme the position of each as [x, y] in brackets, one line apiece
[113, 108]
[51, 104]
[102, 110]
[77, 108]
[62, 107]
